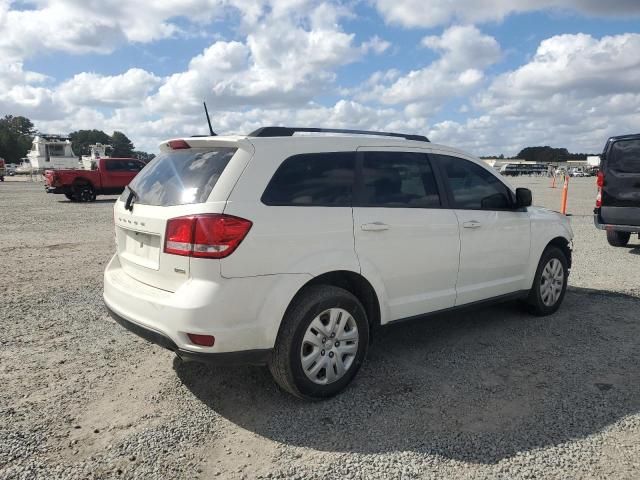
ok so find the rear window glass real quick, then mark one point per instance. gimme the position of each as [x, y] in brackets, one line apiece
[625, 157]
[180, 177]
[313, 179]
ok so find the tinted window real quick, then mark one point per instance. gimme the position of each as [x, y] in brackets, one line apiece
[324, 179]
[114, 165]
[398, 179]
[180, 176]
[132, 166]
[625, 157]
[473, 187]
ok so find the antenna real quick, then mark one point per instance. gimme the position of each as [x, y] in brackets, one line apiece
[206, 112]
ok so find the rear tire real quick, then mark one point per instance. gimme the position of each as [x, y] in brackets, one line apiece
[321, 344]
[549, 284]
[618, 239]
[86, 193]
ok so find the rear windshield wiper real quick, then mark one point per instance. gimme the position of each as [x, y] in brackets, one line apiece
[132, 196]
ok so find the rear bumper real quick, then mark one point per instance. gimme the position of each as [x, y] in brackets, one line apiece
[228, 309]
[616, 228]
[247, 357]
[51, 189]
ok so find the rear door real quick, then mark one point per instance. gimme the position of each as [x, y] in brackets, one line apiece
[621, 189]
[495, 238]
[176, 183]
[404, 234]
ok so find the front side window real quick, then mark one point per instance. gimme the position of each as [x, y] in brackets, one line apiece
[314, 179]
[473, 187]
[132, 166]
[398, 179]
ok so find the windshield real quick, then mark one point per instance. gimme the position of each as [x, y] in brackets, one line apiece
[180, 177]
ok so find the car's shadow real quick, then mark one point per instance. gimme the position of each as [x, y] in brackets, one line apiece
[477, 386]
[98, 200]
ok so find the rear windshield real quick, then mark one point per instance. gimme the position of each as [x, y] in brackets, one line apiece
[180, 177]
[624, 156]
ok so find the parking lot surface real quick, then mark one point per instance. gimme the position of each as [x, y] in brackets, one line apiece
[492, 393]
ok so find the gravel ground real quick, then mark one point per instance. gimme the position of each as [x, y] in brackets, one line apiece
[493, 393]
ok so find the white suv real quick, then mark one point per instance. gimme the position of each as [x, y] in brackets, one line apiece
[292, 250]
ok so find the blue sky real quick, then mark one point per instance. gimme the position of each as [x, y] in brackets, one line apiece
[490, 76]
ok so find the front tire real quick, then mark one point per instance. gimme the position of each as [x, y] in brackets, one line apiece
[550, 283]
[322, 343]
[618, 239]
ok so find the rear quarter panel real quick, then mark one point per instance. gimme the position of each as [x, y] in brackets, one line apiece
[286, 240]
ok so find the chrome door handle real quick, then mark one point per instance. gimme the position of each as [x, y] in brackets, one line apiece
[374, 227]
[472, 224]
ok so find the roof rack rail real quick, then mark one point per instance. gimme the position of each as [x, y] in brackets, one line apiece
[288, 132]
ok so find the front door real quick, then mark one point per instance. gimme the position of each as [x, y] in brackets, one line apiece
[404, 237]
[495, 237]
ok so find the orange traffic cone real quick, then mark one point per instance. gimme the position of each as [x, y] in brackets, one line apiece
[565, 195]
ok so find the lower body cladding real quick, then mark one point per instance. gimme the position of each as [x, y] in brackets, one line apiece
[242, 314]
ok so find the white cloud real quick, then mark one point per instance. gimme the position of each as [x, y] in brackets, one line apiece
[464, 53]
[579, 64]
[287, 59]
[96, 90]
[376, 45]
[431, 13]
[575, 92]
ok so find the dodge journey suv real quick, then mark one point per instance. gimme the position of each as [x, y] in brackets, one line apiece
[292, 247]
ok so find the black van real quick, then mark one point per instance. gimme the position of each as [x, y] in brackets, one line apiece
[618, 203]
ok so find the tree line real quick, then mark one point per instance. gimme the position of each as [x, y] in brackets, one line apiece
[16, 136]
[546, 154]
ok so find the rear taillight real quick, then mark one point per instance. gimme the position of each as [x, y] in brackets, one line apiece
[205, 236]
[600, 184]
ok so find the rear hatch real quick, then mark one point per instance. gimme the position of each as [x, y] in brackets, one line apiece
[194, 178]
[621, 181]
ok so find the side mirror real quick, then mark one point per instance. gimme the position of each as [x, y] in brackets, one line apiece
[523, 198]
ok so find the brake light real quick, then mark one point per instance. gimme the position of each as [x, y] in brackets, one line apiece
[178, 145]
[205, 236]
[600, 184]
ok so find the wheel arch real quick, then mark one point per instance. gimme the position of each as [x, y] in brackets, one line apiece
[355, 284]
[83, 181]
[563, 244]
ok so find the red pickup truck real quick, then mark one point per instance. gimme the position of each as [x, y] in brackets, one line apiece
[109, 178]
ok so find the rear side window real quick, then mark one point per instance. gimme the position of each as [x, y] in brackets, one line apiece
[314, 179]
[180, 177]
[624, 157]
[114, 165]
[398, 179]
[473, 187]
